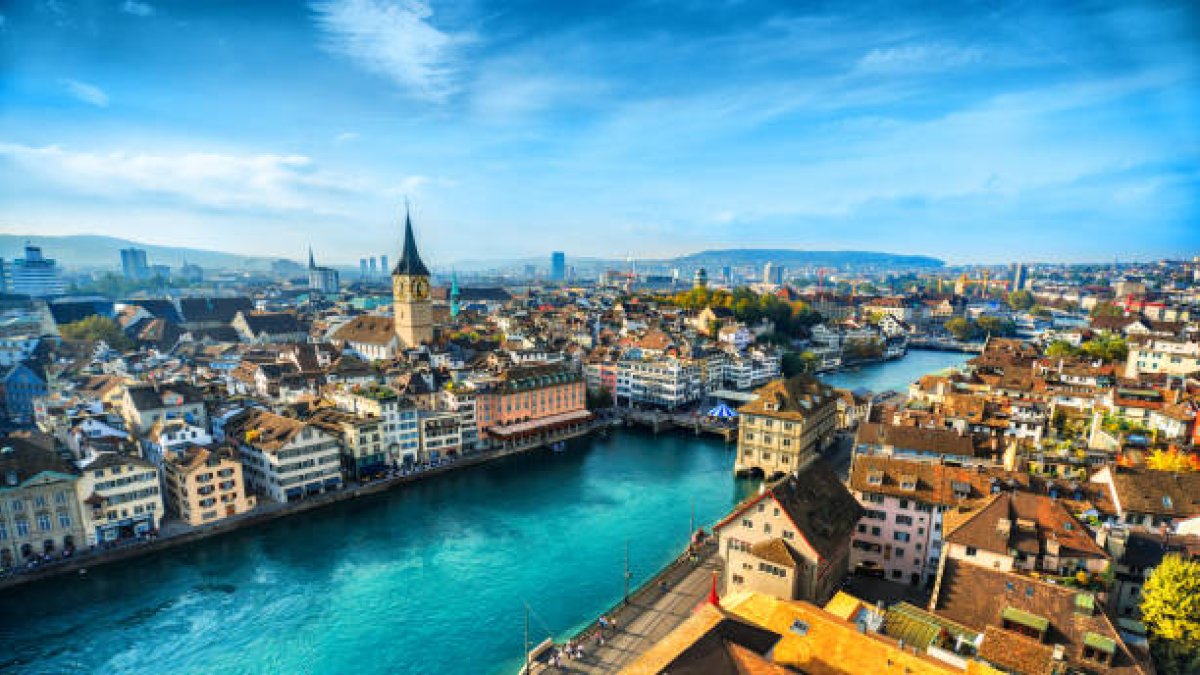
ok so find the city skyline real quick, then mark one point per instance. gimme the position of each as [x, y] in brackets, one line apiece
[609, 131]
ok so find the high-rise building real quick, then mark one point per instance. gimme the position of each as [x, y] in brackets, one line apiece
[1020, 277]
[362, 269]
[133, 263]
[773, 274]
[558, 266]
[410, 293]
[372, 271]
[35, 275]
[383, 265]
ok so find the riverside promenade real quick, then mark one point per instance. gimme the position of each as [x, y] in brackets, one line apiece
[650, 615]
[177, 534]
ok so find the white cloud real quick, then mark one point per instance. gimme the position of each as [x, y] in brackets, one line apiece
[394, 39]
[246, 181]
[137, 8]
[346, 137]
[88, 93]
[919, 57]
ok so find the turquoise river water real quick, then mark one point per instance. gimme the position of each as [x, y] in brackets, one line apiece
[428, 578]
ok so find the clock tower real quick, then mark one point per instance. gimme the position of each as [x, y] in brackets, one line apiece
[410, 293]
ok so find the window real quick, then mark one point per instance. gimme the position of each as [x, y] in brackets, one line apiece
[971, 551]
[903, 520]
[788, 534]
[18, 505]
[746, 522]
[766, 528]
[22, 528]
[3, 532]
[875, 531]
[904, 503]
[39, 501]
[64, 521]
[862, 529]
[44, 522]
[60, 497]
[900, 536]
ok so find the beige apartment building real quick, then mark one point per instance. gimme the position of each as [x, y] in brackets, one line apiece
[205, 485]
[790, 421]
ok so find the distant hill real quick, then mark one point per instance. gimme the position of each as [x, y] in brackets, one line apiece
[96, 251]
[104, 252]
[799, 258]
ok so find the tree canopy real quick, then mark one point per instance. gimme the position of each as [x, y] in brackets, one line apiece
[95, 328]
[1171, 613]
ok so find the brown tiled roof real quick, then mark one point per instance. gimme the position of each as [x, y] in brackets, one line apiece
[777, 551]
[263, 429]
[1047, 520]
[24, 460]
[977, 596]
[794, 398]
[376, 330]
[1020, 653]
[935, 483]
[1148, 491]
[940, 441]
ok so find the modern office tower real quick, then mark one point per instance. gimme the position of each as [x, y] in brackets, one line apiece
[558, 266]
[133, 263]
[35, 275]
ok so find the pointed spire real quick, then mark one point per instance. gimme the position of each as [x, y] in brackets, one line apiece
[312, 262]
[410, 261]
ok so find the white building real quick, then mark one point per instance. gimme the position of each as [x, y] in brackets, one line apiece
[1162, 356]
[35, 275]
[666, 383]
[399, 429]
[283, 459]
[120, 497]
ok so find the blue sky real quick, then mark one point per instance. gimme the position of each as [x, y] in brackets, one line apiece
[974, 131]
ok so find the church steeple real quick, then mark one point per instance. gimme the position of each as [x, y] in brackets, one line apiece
[454, 307]
[312, 262]
[410, 261]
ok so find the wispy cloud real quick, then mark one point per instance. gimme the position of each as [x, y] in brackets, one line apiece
[216, 180]
[395, 39]
[88, 93]
[137, 8]
[919, 57]
[346, 137]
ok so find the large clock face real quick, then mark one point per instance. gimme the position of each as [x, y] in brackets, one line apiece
[420, 288]
[399, 286]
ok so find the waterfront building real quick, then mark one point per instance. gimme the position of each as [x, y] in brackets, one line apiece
[283, 459]
[792, 539]
[534, 397]
[412, 310]
[463, 400]
[399, 432]
[39, 507]
[753, 368]
[441, 435]
[35, 275]
[120, 497]
[204, 484]
[323, 280]
[144, 405]
[789, 422]
[666, 383]
[362, 443]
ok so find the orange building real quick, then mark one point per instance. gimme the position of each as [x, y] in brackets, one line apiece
[529, 400]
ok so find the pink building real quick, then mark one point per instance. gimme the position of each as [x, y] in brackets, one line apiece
[530, 400]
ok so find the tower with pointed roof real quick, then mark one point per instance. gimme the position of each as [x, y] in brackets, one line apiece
[410, 293]
[454, 296]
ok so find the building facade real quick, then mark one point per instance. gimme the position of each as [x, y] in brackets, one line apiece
[788, 423]
[39, 507]
[120, 497]
[204, 485]
[283, 459]
[413, 311]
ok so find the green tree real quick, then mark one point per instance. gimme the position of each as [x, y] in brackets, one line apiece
[1171, 613]
[1060, 348]
[994, 326]
[1020, 300]
[599, 398]
[1106, 348]
[795, 363]
[961, 328]
[94, 328]
[1107, 309]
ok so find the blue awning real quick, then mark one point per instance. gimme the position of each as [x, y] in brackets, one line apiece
[333, 482]
[722, 411]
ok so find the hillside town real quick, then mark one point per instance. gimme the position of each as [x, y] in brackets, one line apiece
[999, 517]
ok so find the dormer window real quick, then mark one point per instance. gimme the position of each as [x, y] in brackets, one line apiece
[908, 483]
[875, 478]
[1098, 648]
[1167, 503]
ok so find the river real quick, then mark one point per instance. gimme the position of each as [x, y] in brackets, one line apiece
[896, 375]
[428, 578]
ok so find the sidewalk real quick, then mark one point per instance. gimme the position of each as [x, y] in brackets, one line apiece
[649, 617]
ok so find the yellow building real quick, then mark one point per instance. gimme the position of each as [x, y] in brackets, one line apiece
[205, 485]
[756, 633]
[411, 306]
[789, 422]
